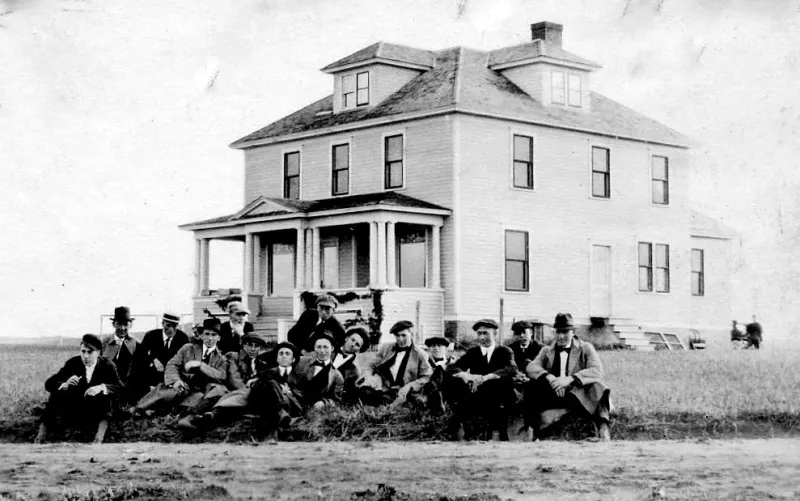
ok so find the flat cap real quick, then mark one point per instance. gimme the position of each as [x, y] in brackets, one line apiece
[437, 341]
[401, 326]
[520, 326]
[485, 322]
[327, 300]
[92, 341]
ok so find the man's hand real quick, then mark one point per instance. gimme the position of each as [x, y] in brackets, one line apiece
[192, 364]
[94, 390]
[251, 382]
[158, 365]
[560, 383]
[72, 381]
[180, 386]
[285, 388]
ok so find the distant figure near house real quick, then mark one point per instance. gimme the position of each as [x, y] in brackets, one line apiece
[232, 331]
[754, 334]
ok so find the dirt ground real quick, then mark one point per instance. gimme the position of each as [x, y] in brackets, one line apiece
[697, 469]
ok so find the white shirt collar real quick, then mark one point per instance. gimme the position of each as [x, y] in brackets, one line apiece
[90, 370]
[487, 352]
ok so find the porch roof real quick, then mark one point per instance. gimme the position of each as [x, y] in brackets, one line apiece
[265, 208]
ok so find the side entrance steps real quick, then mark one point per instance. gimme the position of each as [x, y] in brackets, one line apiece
[633, 336]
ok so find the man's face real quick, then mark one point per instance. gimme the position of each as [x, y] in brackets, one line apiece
[438, 351]
[285, 357]
[238, 317]
[524, 337]
[564, 336]
[88, 355]
[323, 349]
[486, 336]
[169, 328]
[403, 338]
[252, 348]
[121, 328]
[209, 338]
[325, 311]
[352, 344]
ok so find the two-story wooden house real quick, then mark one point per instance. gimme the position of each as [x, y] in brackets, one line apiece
[458, 180]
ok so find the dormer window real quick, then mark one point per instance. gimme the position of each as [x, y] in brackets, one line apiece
[566, 88]
[355, 90]
[558, 87]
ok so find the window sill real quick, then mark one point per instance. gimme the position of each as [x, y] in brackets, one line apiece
[525, 190]
[400, 188]
[661, 206]
[515, 293]
[601, 199]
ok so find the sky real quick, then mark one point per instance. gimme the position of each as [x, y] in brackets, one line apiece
[115, 118]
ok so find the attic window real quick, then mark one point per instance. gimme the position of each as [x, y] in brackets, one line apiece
[565, 88]
[355, 90]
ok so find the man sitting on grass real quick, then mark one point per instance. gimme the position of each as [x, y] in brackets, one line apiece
[122, 349]
[344, 360]
[232, 331]
[194, 379]
[567, 375]
[81, 392]
[158, 346]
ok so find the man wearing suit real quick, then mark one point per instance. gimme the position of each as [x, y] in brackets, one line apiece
[483, 381]
[524, 347]
[344, 360]
[277, 394]
[158, 346]
[397, 365]
[232, 331]
[567, 375]
[121, 347]
[193, 377]
[326, 307]
[301, 331]
[81, 391]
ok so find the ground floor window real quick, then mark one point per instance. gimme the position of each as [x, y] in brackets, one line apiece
[281, 269]
[516, 260]
[698, 272]
[412, 251]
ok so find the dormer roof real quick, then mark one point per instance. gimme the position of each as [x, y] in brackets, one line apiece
[386, 53]
[537, 51]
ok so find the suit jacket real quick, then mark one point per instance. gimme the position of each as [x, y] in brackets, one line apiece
[327, 385]
[240, 369]
[502, 362]
[335, 327]
[349, 369]
[104, 373]
[302, 330]
[230, 341]
[212, 372]
[523, 357]
[125, 362]
[417, 367]
[152, 347]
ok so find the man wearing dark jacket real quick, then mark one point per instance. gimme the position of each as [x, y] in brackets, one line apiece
[326, 308]
[524, 347]
[158, 346]
[232, 331]
[302, 330]
[344, 360]
[81, 391]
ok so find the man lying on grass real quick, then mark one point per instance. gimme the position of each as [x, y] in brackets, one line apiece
[81, 392]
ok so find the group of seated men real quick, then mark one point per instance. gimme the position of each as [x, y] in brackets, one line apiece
[228, 370]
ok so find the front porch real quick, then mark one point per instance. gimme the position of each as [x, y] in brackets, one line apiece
[287, 249]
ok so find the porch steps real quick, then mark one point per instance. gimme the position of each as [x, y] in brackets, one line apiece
[633, 336]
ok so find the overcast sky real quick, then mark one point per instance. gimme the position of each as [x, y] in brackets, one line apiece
[115, 118]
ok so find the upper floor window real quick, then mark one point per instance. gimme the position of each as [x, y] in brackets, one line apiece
[698, 272]
[291, 175]
[516, 260]
[523, 161]
[355, 90]
[340, 182]
[393, 161]
[565, 88]
[557, 92]
[362, 88]
[601, 172]
[660, 180]
[574, 90]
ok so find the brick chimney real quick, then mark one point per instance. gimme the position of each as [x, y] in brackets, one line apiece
[549, 32]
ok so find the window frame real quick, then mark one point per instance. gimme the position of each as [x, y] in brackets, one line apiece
[334, 170]
[658, 268]
[526, 262]
[648, 266]
[386, 177]
[426, 277]
[607, 174]
[358, 89]
[665, 182]
[532, 164]
[701, 273]
[346, 91]
[569, 90]
[562, 89]
[286, 177]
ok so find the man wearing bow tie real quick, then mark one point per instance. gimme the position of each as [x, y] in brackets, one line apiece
[567, 375]
[482, 381]
[193, 378]
[344, 360]
[277, 395]
[158, 346]
[319, 381]
[397, 365]
[121, 348]
[81, 392]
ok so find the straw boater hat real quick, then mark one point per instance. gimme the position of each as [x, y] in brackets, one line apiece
[171, 318]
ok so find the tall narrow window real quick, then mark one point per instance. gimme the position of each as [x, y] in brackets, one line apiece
[291, 175]
[574, 90]
[698, 273]
[516, 260]
[330, 264]
[645, 266]
[523, 162]
[340, 183]
[412, 250]
[281, 269]
[662, 268]
[660, 167]
[362, 88]
[601, 172]
[557, 87]
[393, 161]
[348, 91]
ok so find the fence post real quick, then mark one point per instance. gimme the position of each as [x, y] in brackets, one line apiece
[500, 322]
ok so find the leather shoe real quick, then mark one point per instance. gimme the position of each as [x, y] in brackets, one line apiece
[284, 419]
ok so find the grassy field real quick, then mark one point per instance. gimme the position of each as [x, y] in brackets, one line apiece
[656, 395]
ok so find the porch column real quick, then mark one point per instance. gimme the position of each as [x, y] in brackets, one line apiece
[257, 278]
[315, 258]
[204, 263]
[307, 258]
[373, 253]
[300, 253]
[391, 255]
[247, 277]
[436, 257]
[197, 264]
[381, 278]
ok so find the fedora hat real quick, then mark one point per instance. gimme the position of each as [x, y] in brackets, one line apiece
[361, 332]
[437, 341]
[325, 334]
[92, 341]
[210, 324]
[563, 322]
[171, 318]
[291, 346]
[122, 314]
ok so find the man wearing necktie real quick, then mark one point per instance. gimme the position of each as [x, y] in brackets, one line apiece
[81, 392]
[567, 375]
[482, 382]
[319, 381]
[194, 378]
[277, 395]
[121, 348]
[158, 346]
[344, 360]
[397, 365]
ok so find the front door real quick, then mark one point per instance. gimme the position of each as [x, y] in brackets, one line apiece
[600, 274]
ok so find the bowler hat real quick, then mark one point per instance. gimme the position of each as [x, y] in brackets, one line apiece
[171, 318]
[325, 334]
[122, 314]
[361, 332]
[255, 338]
[237, 306]
[485, 322]
[437, 341]
[520, 326]
[92, 341]
[401, 326]
[210, 324]
[563, 322]
[327, 300]
[286, 344]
